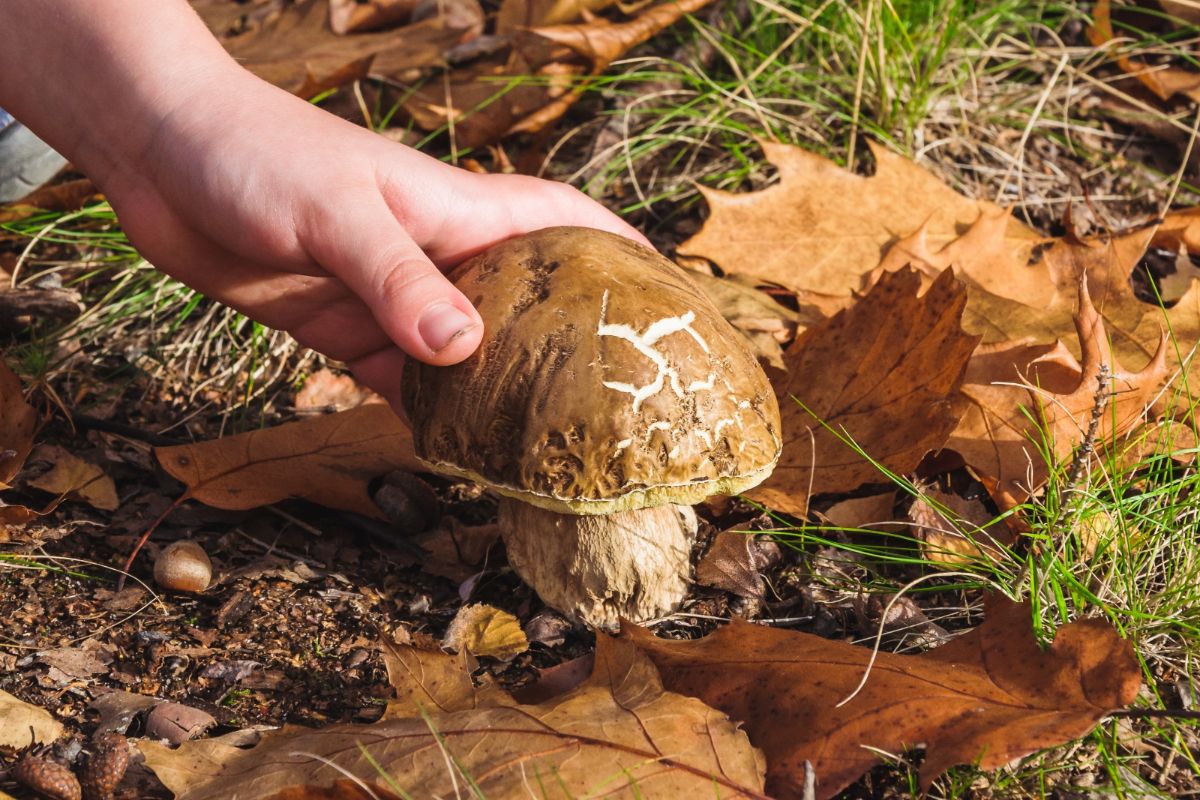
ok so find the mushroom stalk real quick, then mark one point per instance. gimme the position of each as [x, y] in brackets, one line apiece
[600, 568]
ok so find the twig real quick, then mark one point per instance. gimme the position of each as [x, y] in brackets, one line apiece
[137, 547]
[86, 422]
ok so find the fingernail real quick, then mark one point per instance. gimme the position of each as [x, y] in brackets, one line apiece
[441, 324]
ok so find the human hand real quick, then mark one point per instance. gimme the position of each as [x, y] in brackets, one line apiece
[310, 224]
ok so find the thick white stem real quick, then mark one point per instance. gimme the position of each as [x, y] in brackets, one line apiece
[600, 568]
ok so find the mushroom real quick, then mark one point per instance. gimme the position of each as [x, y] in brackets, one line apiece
[607, 397]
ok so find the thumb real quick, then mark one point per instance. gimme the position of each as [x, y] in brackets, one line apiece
[411, 300]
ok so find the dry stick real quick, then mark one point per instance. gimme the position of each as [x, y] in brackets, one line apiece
[137, 547]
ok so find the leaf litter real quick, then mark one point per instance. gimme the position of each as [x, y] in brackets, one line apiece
[925, 272]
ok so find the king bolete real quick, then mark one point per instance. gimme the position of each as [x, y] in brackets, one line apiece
[607, 397]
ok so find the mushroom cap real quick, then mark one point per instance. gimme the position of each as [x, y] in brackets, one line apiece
[606, 381]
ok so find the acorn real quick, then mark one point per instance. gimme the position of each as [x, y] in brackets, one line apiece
[183, 567]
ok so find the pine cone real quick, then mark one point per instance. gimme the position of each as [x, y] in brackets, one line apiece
[105, 766]
[48, 778]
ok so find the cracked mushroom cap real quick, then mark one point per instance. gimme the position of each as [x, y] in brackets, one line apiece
[606, 381]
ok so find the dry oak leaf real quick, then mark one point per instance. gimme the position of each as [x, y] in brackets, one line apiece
[20, 717]
[73, 477]
[328, 460]
[824, 229]
[495, 97]
[1013, 316]
[1029, 398]
[483, 630]
[618, 734]
[1164, 82]
[294, 48]
[734, 563]
[990, 696]
[18, 424]
[1008, 298]
[885, 373]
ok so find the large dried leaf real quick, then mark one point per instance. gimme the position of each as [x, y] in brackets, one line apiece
[294, 48]
[1027, 399]
[72, 476]
[538, 79]
[25, 724]
[823, 229]
[327, 460]
[884, 373]
[990, 696]
[617, 734]
[18, 423]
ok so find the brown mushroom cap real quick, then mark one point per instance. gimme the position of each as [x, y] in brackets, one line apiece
[606, 381]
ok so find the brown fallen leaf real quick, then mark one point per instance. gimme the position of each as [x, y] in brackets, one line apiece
[617, 734]
[766, 323]
[1164, 82]
[75, 478]
[25, 724]
[18, 424]
[954, 530]
[516, 14]
[872, 512]
[483, 630]
[988, 697]
[326, 390]
[495, 97]
[354, 16]
[65, 196]
[734, 562]
[294, 48]
[884, 373]
[823, 229]
[328, 460]
[1048, 402]
[456, 551]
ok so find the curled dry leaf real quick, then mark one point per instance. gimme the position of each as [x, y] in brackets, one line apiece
[988, 697]
[735, 561]
[617, 733]
[884, 373]
[328, 460]
[824, 229]
[484, 630]
[1011, 409]
[75, 478]
[956, 530]
[18, 424]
